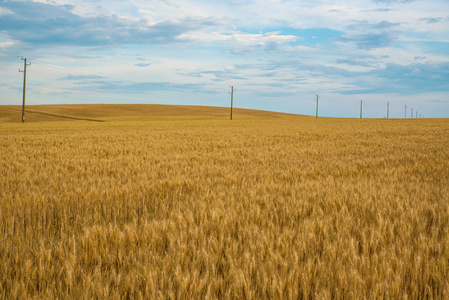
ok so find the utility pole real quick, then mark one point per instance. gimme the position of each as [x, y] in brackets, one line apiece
[317, 106]
[232, 98]
[388, 108]
[361, 103]
[405, 112]
[24, 86]
[416, 115]
[411, 115]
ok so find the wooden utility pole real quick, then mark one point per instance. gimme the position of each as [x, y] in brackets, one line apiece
[317, 106]
[361, 103]
[232, 98]
[405, 111]
[24, 86]
[411, 115]
[388, 108]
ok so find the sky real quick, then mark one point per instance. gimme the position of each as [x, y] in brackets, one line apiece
[278, 54]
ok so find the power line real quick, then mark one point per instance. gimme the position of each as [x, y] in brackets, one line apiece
[44, 73]
[86, 72]
[10, 56]
[72, 70]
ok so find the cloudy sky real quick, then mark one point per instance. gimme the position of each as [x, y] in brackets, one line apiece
[278, 54]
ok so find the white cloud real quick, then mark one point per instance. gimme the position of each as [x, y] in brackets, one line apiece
[4, 11]
[7, 44]
[49, 91]
[240, 38]
[301, 48]
[266, 47]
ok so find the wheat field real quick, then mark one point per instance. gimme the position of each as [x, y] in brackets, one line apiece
[261, 207]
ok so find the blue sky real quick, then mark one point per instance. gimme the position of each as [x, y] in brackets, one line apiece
[278, 54]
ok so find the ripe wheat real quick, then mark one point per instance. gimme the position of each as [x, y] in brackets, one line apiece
[287, 208]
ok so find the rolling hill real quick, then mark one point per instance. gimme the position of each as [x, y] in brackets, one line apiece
[104, 112]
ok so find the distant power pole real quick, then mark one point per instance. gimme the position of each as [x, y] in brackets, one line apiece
[317, 106]
[411, 115]
[388, 109]
[24, 86]
[232, 98]
[417, 115]
[405, 112]
[361, 103]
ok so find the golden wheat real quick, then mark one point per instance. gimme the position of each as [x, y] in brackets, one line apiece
[286, 208]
